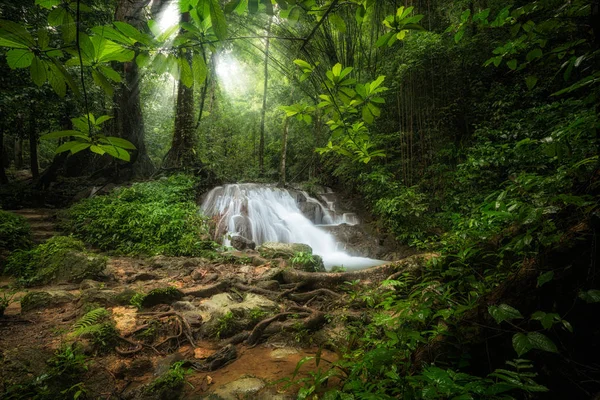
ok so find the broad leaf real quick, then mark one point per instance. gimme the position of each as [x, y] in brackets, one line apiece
[38, 71]
[118, 142]
[504, 312]
[521, 343]
[218, 19]
[541, 342]
[19, 58]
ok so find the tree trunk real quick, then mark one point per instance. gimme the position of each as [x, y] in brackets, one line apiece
[130, 121]
[19, 148]
[3, 177]
[261, 145]
[33, 146]
[283, 152]
[182, 153]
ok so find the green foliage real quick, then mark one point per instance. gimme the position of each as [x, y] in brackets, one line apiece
[5, 301]
[224, 325]
[171, 381]
[15, 232]
[42, 263]
[62, 381]
[97, 326]
[86, 137]
[158, 217]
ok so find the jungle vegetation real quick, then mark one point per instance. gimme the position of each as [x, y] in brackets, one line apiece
[467, 127]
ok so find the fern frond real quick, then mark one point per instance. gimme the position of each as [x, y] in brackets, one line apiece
[91, 318]
[89, 330]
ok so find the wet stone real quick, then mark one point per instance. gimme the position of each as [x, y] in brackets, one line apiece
[245, 387]
[283, 352]
[143, 276]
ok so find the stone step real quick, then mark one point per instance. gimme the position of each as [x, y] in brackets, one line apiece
[42, 226]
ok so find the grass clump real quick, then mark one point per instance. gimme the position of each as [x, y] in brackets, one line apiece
[60, 258]
[169, 384]
[15, 232]
[149, 218]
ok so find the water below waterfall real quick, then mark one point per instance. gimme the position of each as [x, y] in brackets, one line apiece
[269, 214]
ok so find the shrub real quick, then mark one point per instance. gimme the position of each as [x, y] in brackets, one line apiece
[15, 232]
[60, 258]
[158, 217]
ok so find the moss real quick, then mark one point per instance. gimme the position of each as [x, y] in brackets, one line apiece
[156, 296]
[35, 300]
[62, 258]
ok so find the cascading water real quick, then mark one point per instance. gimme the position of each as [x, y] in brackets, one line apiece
[268, 214]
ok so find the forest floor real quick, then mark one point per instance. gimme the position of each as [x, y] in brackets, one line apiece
[242, 324]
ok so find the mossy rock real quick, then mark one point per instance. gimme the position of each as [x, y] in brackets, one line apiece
[60, 259]
[35, 300]
[71, 266]
[166, 295]
[283, 250]
[124, 297]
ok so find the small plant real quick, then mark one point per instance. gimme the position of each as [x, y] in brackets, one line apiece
[307, 262]
[224, 324]
[137, 300]
[68, 362]
[97, 325]
[170, 381]
[313, 384]
[5, 301]
[257, 314]
[338, 268]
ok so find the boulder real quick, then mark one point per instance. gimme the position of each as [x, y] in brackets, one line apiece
[72, 266]
[103, 297]
[245, 387]
[283, 250]
[36, 300]
[214, 312]
[242, 243]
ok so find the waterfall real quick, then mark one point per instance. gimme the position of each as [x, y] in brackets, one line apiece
[268, 214]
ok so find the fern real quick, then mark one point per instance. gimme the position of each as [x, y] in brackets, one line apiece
[89, 323]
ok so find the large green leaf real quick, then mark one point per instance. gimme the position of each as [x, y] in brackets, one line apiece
[110, 73]
[504, 312]
[199, 69]
[103, 82]
[218, 19]
[185, 72]
[19, 58]
[48, 4]
[116, 152]
[118, 142]
[38, 71]
[541, 342]
[62, 134]
[521, 343]
[590, 296]
[57, 81]
[16, 33]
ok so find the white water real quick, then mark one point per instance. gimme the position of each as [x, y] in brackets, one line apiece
[268, 214]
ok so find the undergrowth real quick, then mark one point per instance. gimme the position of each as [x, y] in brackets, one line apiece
[15, 232]
[62, 381]
[149, 218]
[62, 256]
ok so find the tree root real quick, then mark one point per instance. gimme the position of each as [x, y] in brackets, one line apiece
[218, 360]
[319, 280]
[259, 329]
[309, 295]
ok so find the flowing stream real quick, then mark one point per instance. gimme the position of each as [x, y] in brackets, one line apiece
[263, 213]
